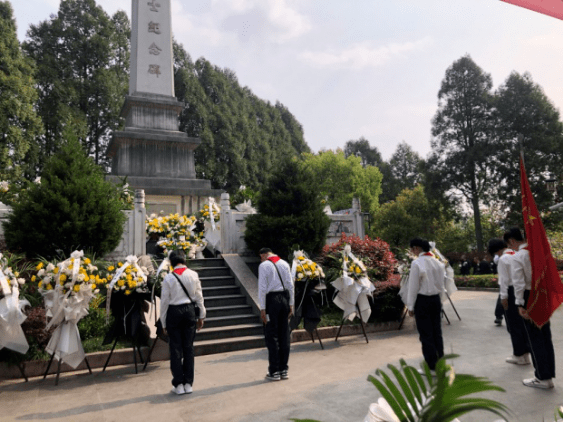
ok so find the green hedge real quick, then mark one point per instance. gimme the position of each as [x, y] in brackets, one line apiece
[477, 281]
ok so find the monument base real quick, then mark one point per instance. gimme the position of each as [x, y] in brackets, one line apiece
[171, 195]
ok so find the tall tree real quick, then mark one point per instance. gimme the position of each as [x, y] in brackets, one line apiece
[19, 123]
[404, 170]
[81, 55]
[463, 134]
[242, 136]
[523, 110]
[341, 178]
[361, 148]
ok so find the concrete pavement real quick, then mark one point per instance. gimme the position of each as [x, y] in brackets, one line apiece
[326, 385]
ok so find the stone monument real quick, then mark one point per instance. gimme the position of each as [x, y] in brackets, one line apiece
[151, 151]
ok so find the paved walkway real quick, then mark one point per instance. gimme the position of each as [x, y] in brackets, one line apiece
[326, 385]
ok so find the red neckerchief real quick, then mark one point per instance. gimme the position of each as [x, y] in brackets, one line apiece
[180, 270]
[273, 259]
[510, 252]
[428, 254]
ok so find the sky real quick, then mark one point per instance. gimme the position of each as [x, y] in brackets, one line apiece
[362, 68]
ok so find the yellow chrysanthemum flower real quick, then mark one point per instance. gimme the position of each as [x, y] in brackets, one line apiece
[40, 284]
[33, 278]
[111, 269]
[49, 287]
[127, 292]
[93, 286]
[39, 266]
[87, 261]
[56, 270]
[120, 282]
[63, 277]
[76, 287]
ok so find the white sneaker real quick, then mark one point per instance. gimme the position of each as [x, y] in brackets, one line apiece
[522, 359]
[423, 373]
[188, 388]
[536, 383]
[178, 390]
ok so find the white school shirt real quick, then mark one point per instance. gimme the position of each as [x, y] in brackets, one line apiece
[521, 273]
[173, 294]
[427, 277]
[504, 269]
[269, 280]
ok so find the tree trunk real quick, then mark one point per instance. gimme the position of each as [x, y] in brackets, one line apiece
[477, 219]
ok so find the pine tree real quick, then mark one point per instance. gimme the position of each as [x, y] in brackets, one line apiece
[19, 124]
[72, 208]
[290, 213]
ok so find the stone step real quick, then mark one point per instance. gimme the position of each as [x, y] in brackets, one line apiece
[234, 331]
[225, 300]
[231, 344]
[217, 281]
[202, 263]
[213, 271]
[217, 291]
[222, 321]
[232, 310]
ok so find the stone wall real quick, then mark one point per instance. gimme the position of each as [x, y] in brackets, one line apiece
[233, 226]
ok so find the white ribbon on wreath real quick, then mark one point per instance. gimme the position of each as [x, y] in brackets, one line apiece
[12, 316]
[352, 292]
[449, 281]
[65, 311]
[129, 261]
[212, 231]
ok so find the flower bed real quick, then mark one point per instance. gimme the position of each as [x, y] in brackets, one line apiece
[477, 281]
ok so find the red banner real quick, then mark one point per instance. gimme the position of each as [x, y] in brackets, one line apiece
[546, 294]
[547, 7]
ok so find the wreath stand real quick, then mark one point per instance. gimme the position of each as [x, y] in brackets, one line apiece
[361, 322]
[405, 312]
[59, 368]
[135, 347]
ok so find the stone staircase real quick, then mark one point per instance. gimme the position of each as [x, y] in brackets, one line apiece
[231, 323]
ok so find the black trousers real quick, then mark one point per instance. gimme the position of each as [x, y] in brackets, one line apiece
[276, 331]
[499, 310]
[515, 326]
[427, 315]
[181, 326]
[543, 354]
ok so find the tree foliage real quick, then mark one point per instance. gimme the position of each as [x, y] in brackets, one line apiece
[290, 213]
[410, 215]
[370, 156]
[82, 62]
[463, 130]
[404, 170]
[523, 109]
[72, 208]
[342, 178]
[19, 123]
[242, 136]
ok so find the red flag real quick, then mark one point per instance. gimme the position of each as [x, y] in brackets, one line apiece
[546, 293]
[547, 7]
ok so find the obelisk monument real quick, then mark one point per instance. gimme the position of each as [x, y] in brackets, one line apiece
[151, 151]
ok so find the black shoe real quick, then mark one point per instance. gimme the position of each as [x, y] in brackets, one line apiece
[273, 377]
[498, 322]
[284, 375]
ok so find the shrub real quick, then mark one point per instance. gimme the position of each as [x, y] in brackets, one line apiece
[477, 281]
[72, 208]
[290, 212]
[380, 263]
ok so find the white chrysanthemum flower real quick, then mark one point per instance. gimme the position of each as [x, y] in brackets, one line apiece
[96, 291]
[80, 277]
[21, 281]
[41, 273]
[37, 180]
[300, 275]
[50, 267]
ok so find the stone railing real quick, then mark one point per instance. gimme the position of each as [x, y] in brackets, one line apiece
[233, 226]
[133, 241]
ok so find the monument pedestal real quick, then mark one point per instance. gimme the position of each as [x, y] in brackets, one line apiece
[156, 157]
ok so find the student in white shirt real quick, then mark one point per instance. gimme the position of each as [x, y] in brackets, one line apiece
[276, 297]
[426, 283]
[514, 322]
[181, 290]
[541, 345]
